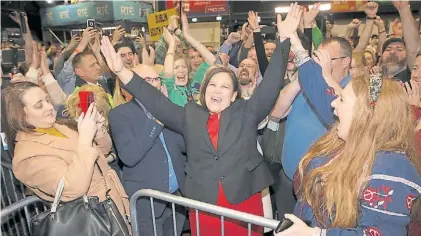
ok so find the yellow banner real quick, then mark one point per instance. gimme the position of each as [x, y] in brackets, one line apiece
[157, 21]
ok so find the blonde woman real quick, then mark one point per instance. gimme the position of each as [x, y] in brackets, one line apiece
[363, 176]
[103, 106]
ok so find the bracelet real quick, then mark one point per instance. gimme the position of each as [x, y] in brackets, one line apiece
[371, 18]
[177, 30]
[381, 32]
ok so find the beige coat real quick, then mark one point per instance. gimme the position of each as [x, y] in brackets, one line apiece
[41, 160]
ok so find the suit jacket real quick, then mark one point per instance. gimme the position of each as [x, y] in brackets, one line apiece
[236, 164]
[145, 163]
[41, 160]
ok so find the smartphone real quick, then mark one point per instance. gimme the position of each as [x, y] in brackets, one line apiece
[86, 99]
[286, 223]
[90, 23]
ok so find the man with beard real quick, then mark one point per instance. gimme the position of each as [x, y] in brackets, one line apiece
[393, 62]
[247, 74]
[398, 54]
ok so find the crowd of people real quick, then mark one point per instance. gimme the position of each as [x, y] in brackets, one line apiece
[327, 126]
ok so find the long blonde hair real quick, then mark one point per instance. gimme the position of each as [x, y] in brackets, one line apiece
[333, 189]
[101, 101]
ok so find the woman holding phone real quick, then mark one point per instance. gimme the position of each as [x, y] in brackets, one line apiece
[45, 150]
[224, 166]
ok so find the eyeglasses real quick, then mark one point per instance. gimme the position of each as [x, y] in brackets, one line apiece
[336, 58]
[333, 58]
[250, 66]
[150, 80]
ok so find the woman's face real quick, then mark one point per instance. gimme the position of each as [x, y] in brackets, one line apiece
[369, 60]
[181, 72]
[219, 93]
[40, 113]
[344, 109]
[416, 70]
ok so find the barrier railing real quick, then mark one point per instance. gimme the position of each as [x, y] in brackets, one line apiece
[198, 206]
[16, 208]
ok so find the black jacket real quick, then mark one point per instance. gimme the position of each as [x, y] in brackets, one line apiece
[236, 163]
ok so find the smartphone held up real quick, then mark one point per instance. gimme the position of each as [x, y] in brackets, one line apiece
[86, 98]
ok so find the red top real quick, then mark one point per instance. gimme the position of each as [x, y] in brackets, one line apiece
[213, 129]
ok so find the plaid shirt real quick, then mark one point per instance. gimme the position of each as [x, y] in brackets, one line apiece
[161, 48]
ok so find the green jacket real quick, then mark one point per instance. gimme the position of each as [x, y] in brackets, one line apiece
[180, 95]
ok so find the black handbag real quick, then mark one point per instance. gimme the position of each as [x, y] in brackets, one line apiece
[85, 216]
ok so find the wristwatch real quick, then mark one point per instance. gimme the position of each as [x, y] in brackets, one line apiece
[177, 31]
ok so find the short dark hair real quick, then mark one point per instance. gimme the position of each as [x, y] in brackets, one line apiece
[125, 44]
[346, 48]
[78, 58]
[212, 72]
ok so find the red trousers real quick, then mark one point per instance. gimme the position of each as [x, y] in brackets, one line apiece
[210, 225]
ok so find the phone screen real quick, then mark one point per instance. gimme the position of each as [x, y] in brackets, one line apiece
[86, 99]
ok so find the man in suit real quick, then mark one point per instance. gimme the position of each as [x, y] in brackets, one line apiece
[153, 158]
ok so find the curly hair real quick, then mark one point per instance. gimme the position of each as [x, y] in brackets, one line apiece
[101, 101]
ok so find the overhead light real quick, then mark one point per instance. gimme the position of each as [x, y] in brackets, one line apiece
[107, 28]
[194, 19]
[49, 1]
[219, 18]
[281, 9]
[323, 7]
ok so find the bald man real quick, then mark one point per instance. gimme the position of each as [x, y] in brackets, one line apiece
[153, 157]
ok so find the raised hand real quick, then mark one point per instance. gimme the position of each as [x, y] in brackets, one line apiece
[253, 20]
[88, 34]
[113, 59]
[17, 78]
[354, 24]
[323, 58]
[185, 23]
[141, 40]
[233, 37]
[397, 28]
[148, 58]
[414, 94]
[95, 45]
[400, 4]
[118, 34]
[169, 39]
[16, 17]
[87, 125]
[44, 63]
[374, 70]
[311, 14]
[73, 42]
[173, 22]
[225, 59]
[35, 56]
[371, 9]
[287, 27]
[379, 23]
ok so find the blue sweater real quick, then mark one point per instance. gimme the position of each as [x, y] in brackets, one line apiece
[384, 203]
[303, 127]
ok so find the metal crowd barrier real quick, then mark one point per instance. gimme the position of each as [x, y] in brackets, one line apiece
[17, 208]
[198, 206]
